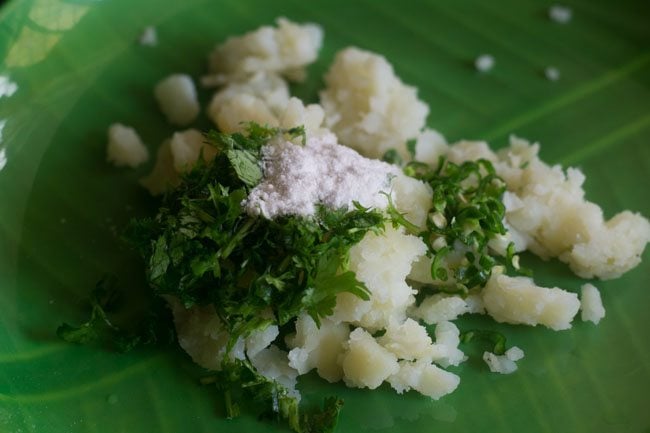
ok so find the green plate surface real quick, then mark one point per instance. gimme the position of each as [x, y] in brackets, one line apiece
[70, 68]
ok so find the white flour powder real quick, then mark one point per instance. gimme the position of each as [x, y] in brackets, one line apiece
[296, 178]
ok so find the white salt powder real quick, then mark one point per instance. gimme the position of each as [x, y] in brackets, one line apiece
[297, 178]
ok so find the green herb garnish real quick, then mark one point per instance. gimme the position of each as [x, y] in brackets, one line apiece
[466, 213]
[202, 248]
[98, 328]
[105, 298]
[239, 381]
[392, 156]
[496, 339]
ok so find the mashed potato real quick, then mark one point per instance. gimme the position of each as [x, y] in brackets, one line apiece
[519, 300]
[319, 348]
[365, 362]
[425, 378]
[259, 98]
[125, 148]
[391, 296]
[285, 50]
[591, 304]
[506, 363]
[177, 98]
[163, 175]
[187, 147]
[368, 106]
[264, 99]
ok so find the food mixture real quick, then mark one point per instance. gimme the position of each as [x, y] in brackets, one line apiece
[346, 237]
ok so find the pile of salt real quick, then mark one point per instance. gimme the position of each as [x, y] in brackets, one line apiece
[297, 178]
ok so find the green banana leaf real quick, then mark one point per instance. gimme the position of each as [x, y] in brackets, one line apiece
[71, 68]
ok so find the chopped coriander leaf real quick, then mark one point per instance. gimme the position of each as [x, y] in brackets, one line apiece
[323, 420]
[411, 147]
[239, 154]
[239, 381]
[202, 248]
[437, 271]
[246, 166]
[497, 339]
[396, 217]
[393, 157]
[104, 299]
[512, 262]
[466, 213]
[207, 251]
[320, 299]
[98, 328]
